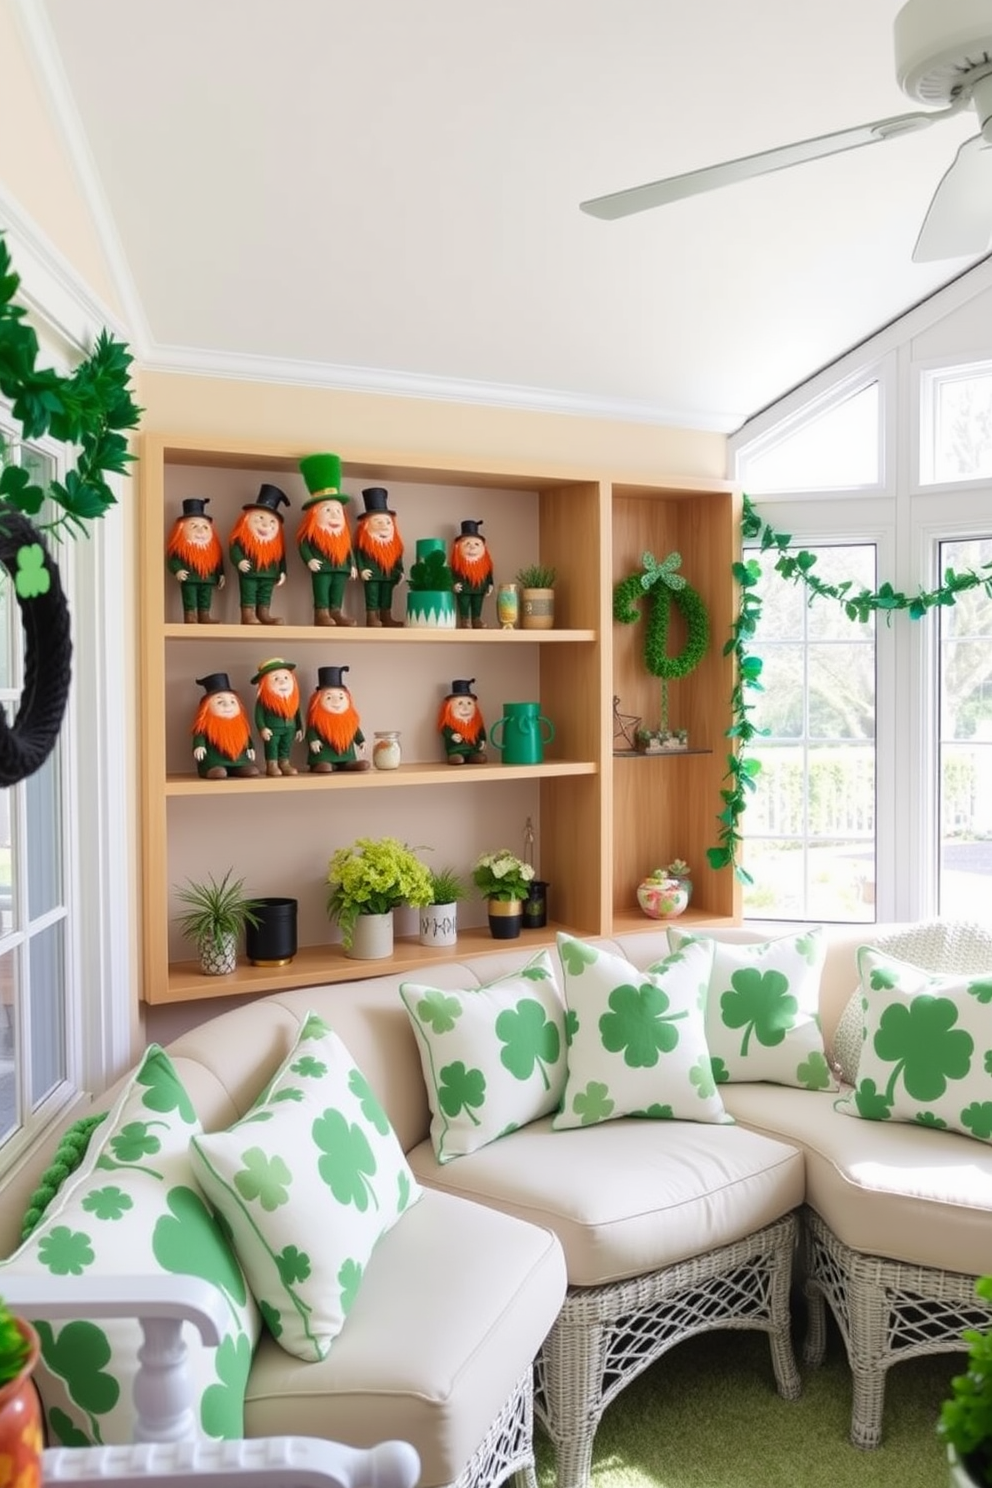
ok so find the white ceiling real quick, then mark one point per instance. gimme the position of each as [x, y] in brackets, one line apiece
[387, 192]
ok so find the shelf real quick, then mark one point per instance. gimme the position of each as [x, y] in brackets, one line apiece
[406, 775]
[656, 753]
[634, 921]
[365, 635]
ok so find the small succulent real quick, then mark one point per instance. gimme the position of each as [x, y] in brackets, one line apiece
[447, 886]
[678, 868]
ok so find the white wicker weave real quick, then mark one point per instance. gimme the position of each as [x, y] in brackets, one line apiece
[605, 1336]
[508, 1446]
[886, 1311]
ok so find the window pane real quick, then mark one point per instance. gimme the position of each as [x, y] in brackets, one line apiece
[810, 825]
[965, 685]
[8, 1045]
[44, 838]
[840, 448]
[48, 1032]
[962, 426]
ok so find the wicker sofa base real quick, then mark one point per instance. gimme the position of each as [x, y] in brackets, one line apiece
[886, 1311]
[507, 1449]
[605, 1336]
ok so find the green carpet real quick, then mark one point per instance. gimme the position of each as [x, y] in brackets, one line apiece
[706, 1415]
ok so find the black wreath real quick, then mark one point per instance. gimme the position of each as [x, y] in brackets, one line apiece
[25, 745]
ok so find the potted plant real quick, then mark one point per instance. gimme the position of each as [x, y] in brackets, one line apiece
[430, 597]
[367, 881]
[966, 1416]
[20, 1411]
[537, 596]
[504, 880]
[215, 915]
[678, 869]
[439, 918]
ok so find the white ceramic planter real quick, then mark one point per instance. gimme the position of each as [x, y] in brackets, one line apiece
[439, 925]
[373, 938]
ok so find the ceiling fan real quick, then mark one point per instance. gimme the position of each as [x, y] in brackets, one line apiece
[943, 54]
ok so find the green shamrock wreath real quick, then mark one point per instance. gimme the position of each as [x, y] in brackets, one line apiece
[664, 584]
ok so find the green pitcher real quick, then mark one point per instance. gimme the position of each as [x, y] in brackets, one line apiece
[519, 734]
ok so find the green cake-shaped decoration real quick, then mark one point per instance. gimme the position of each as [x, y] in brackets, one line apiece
[430, 599]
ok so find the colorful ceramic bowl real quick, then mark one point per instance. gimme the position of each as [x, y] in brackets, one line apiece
[662, 898]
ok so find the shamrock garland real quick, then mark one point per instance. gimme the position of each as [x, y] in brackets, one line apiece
[859, 606]
[663, 584]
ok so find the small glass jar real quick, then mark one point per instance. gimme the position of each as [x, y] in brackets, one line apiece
[386, 751]
[508, 606]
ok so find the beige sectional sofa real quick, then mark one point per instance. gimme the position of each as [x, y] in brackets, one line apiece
[593, 1250]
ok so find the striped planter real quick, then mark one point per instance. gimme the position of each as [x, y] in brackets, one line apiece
[433, 609]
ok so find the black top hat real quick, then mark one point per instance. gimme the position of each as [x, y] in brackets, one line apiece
[462, 687]
[470, 528]
[215, 682]
[270, 498]
[376, 500]
[274, 664]
[195, 506]
[331, 676]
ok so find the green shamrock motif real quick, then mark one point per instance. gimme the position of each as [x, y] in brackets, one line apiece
[366, 1097]
[814, 1072]
[719, 1070]
[291, 1093]
[403, 1190]
[64, 1433]
[873, 1104]
[32, 578]
[264, 1178]
[882, 979]
[271, 1317]
[571, 1024]
[530, 1040]
[639, 1024]
[536, 974]
[134, 1141]
[293, 1265]
[981, 990]
[978, 1119]
[593, 1104]
[926, 1050]
[931, 1119]
[222, 1404]
[315, 1027]
[308, 1067]
[79, 1355]
[108, 1203]
[987, 1062]
[439, 1011]
[656, 1112]
[575, 956]
[807, 946]
[66, 1252]
[760, 1003]
[349, 1280]
[460, 1089]
[348, 1164]
[188, 1241]
[164, 1090]
[701, 1075]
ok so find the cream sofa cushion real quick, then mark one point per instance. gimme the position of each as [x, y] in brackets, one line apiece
[630, 1196]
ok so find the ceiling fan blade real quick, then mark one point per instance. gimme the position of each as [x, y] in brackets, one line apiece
[959, 219]
[711, 177]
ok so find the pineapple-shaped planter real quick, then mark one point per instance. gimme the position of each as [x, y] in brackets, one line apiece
[219, 957]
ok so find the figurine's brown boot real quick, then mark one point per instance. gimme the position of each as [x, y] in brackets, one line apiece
[478, 623]
[386, 616]
[249, 771]
[189, 617]
[340, 618]
[355, 764]
[455, 759]
[322, 767]
[206, 618]
[372, 618]
[266, 617]
[285, 768]
[272, 767]
[322, 617]
[248, 616]
[464, 623]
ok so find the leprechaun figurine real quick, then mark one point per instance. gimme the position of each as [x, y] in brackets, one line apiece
[196, 558]
[257, 548]
[380, 556]
[473, 570]
[461, 725]
[334, 733]
[221, 731]
[278, 719]
[324, 541]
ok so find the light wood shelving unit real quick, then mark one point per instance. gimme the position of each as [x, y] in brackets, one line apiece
[604, 820]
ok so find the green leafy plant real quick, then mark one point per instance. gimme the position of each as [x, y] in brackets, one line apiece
[431, 574]
[677, 868]
[14, 1347]
[215, 911]
[90, 409]
[966, 1416]
[536, 576]
[447, 886]
[502, 875]
[374, 876]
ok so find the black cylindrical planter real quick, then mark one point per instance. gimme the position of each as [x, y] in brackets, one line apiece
[272, 942]
[536, 905]
[506, 916]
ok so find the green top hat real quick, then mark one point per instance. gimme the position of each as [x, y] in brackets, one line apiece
[273, 665]
[269, 498]
[322, 474]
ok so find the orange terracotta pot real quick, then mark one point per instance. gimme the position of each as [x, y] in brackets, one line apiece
[20, 1423]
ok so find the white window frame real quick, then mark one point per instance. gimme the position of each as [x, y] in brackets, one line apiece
[929, 377]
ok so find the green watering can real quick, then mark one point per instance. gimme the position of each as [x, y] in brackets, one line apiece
[519, 734]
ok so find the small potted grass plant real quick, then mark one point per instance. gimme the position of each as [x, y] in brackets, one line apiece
[966, 1415]
[214, 917]
[537, 596]
[439, 918]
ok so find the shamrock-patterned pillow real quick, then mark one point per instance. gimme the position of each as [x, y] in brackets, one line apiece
[927, 1050]
[132, 1208]
[636, 1039]
[307, 1181]
[762, 1009]
[493, 1057]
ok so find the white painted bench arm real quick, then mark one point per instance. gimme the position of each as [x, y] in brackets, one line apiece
[268, 1462]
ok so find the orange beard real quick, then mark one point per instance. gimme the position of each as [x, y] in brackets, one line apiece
[202, 558]
[386, 554]
[334, 545]
[276, 702]
[262, 554]
[470, 730]
[230, 735]
[338, 729]
[476, 570]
